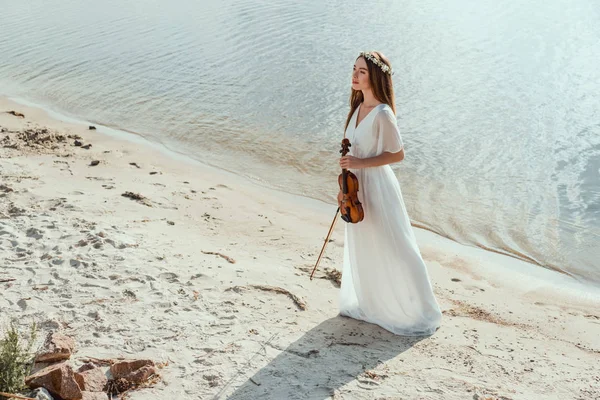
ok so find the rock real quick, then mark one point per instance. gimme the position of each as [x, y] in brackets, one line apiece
[141, 375]
[58, 379]
[78, 143]
[92, 380]
[92, 128]
[94, 163]
[94, 396]
[135, 371]
[86, 367]
[41, 394]
[57, 347]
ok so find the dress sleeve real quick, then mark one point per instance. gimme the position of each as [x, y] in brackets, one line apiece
[388, 134]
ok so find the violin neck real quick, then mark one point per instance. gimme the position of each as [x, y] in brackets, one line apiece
[344, 181]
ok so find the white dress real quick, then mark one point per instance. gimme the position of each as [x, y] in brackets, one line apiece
[384, 278]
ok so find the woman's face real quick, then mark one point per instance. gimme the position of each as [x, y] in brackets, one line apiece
[360, 75]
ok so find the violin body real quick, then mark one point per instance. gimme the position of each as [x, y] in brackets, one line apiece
[350, 207]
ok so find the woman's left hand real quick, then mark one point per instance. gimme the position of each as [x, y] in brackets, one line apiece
[351, 162]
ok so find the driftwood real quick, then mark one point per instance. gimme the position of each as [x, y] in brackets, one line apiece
[16, 114]
[297, 300]
[138, 197]
[231, 260]
[7, 280]
[101, 361]
[15, 396]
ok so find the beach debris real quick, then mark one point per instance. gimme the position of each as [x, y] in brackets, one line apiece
[57, 347]
[255, 382]
[37, 138]
[7, 280]
[131, 374]
[92, 128]
[135, 371]
[93, 361]
[16, 114]
[16, 396]
[297, 300]
[373, 375]
[78, 143]
[213, 379]
[5, 189]
[153, 173]
[170, 222]
[134, 164]
[330, 274]
[455, 280]
[94, 163]
[333, 275]
[137, 197]
[463, 309]
[58, 379]
[87, 146]
[94, 396]
[229, 259]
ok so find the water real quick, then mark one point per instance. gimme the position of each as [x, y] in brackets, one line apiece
[498, 100]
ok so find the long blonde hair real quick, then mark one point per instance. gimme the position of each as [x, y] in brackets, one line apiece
[381, 85]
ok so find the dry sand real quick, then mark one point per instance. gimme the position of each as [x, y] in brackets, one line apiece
[138, 278]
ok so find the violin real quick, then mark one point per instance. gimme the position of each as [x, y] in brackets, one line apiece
[350, 207]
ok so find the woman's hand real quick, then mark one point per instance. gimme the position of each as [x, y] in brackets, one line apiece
[351, 162]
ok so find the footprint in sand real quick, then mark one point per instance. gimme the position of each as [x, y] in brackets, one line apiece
[169, 277]
[35, 233]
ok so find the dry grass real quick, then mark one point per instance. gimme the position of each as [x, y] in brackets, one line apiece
[16, 359]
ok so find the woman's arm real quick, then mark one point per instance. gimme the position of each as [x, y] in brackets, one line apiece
[382, 159]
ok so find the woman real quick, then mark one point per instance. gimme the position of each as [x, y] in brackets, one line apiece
[384, 278]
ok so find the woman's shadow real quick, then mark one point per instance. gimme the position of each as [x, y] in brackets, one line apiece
[332, 354]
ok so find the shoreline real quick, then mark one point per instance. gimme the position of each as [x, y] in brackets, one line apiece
[135, 137]
[176, 280]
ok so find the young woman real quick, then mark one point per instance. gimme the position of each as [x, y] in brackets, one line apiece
[384, 278]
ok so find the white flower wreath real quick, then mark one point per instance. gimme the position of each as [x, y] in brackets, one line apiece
[384, 67]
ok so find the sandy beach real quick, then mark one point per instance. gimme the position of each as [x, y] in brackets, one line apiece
[190, 273]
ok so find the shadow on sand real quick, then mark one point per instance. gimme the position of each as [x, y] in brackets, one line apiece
[324, 359]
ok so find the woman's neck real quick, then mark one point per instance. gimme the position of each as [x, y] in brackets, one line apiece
[369, 99]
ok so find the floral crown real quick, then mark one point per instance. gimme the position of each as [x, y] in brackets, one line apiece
[384, 67]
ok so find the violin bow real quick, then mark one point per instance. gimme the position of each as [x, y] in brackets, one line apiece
[325, 244]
